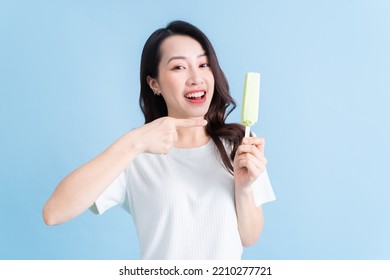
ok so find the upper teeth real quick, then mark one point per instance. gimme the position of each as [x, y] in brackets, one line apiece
[194, 94]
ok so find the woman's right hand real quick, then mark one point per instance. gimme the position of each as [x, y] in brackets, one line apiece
[159, 136]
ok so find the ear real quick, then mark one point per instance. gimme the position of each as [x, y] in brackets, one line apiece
[153, 84]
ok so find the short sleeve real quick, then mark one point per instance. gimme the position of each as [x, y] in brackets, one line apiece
[115, 194]
[262, 189]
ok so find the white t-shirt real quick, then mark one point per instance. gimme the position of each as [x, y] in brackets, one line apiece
[182, 204]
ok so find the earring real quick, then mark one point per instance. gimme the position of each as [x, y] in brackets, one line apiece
[155, 92]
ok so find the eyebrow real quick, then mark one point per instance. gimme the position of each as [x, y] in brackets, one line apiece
[183, 57]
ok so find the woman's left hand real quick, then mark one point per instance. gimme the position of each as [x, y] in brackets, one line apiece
[249, 161]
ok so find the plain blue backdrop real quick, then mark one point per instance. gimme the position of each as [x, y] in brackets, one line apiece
[69, 87]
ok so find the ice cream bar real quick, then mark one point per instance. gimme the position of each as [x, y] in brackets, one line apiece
[250, 101]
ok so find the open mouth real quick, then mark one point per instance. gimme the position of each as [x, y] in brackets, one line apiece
[195, 95]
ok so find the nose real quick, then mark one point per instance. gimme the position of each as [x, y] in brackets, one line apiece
[195, 77]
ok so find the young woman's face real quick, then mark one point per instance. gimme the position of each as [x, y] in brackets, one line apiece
[185, 79]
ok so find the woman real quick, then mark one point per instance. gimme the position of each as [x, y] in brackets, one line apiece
[192, 184]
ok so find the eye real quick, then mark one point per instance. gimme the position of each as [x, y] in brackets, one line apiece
[178, 67]
[204, 65]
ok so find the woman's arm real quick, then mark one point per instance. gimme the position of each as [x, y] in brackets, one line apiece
[249, 216]
[80, 189]
[249, 163]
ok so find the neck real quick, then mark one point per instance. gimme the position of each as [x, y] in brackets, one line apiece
[191, 137]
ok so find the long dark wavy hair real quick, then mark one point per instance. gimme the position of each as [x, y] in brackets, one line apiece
[222, 104]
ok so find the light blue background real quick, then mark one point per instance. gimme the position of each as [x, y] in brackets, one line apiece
[69, 87]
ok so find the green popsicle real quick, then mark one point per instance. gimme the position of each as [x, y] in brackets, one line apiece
[250, 101]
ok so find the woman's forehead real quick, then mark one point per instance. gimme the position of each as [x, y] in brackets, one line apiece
[180, 46]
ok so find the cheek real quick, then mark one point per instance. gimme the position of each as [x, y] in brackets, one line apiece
[210, 76]
[211, 81]
[170, 82]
